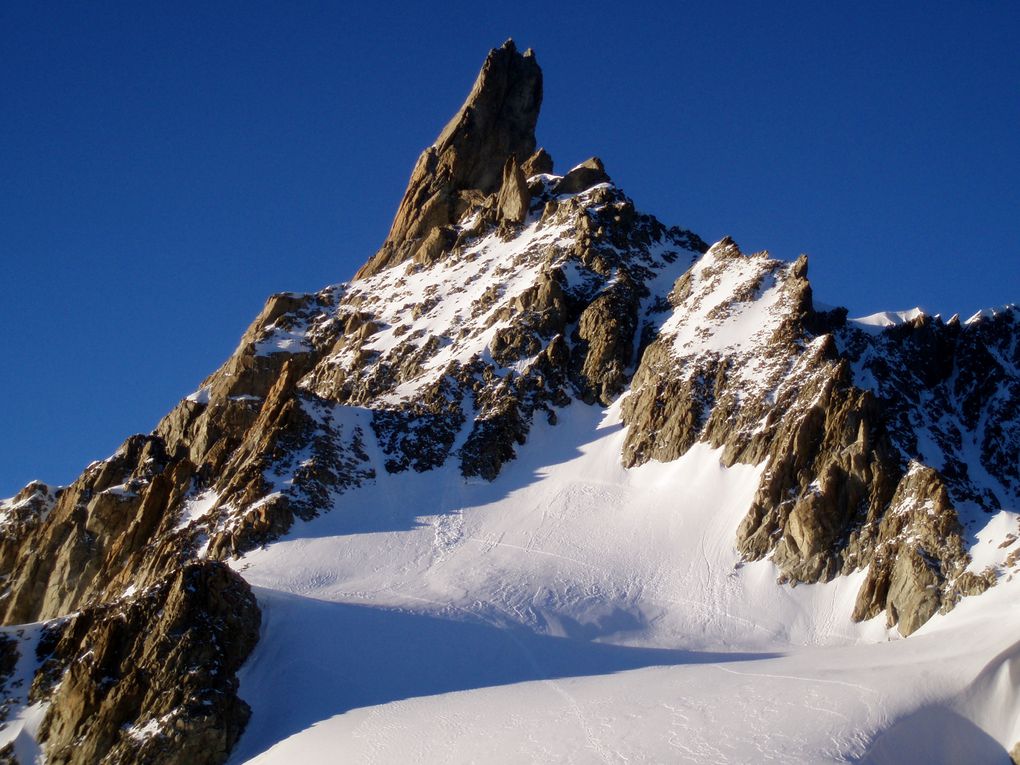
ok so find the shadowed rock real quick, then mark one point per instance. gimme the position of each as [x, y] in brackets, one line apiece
[589, 173]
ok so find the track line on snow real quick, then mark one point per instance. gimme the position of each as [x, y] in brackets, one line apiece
[795, 677]
[589, 735]
[491, 544]
[653, 597]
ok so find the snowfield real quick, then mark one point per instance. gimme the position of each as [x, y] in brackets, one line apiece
[574, 611]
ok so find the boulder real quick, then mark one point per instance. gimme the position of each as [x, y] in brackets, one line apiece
[581, 178]
[539, 163]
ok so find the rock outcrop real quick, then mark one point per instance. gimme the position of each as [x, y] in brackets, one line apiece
[96, 536]
[589, 173]
[20, 517]
[919, 557]
[514, 199]
[151, 678]
[539, 163]
[746, 363]
[465, 164]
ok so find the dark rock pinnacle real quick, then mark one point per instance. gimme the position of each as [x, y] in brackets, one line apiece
[465, 164]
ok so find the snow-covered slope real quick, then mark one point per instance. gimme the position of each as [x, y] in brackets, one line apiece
[575, 611]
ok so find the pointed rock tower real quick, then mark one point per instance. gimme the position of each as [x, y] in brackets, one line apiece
[466, 163]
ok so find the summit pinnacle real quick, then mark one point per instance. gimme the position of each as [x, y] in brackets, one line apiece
[466, 161]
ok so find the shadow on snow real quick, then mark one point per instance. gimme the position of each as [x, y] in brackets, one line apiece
[934, 735]
[398, 502]
[318, 659]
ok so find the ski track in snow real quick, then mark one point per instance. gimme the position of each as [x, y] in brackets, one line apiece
[574, 611]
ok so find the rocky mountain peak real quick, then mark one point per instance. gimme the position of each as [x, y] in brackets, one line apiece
[517, 313]
[467, 161]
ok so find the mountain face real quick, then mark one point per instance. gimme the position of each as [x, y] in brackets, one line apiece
[505, 297]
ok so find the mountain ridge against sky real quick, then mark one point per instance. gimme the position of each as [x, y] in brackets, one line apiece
[541, 416]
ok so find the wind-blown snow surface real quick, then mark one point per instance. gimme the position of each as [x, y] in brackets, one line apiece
[574, 611]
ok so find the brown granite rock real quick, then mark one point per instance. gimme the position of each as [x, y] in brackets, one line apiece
[151, 679]
[514, 198]
[96, 532]
[605, 341]
[587, 174]
[917, 567]
[22, 515]
[539, 163]
[496, 122]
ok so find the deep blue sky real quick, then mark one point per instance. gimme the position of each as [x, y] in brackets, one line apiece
[165, 167]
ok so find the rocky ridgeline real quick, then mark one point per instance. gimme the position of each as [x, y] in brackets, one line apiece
[503, 292]
[839, 414]
[950, 394]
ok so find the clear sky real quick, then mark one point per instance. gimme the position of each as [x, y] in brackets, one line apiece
[166, 166]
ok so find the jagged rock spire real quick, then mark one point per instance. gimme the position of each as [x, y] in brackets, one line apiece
[465, 164]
